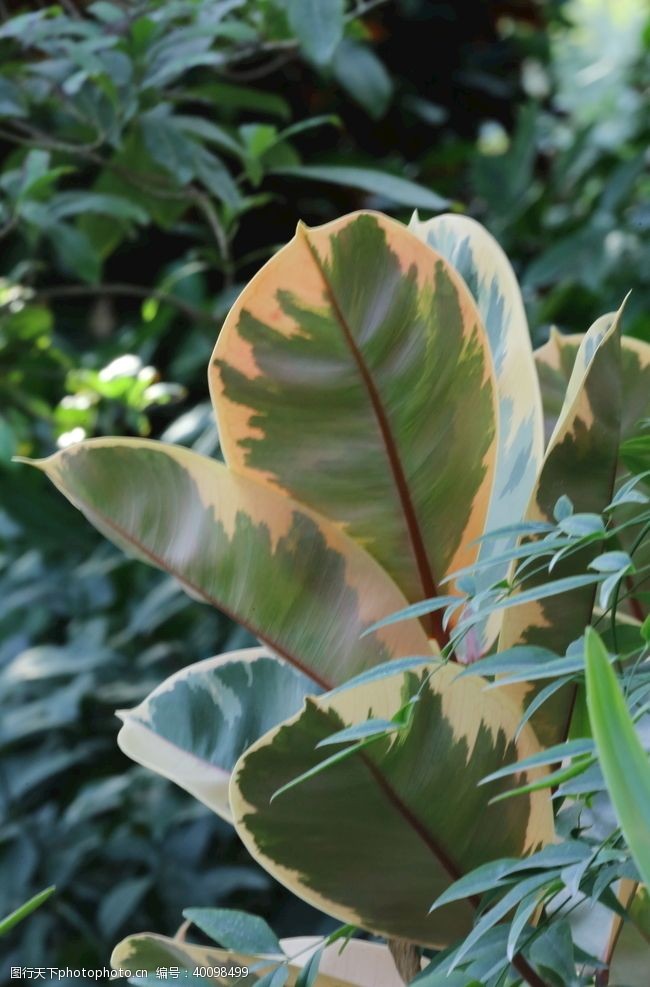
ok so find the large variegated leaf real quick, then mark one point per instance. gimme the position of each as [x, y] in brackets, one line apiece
[555, 362]
[580, 463]
[193, 727]
[358, 964]
[295, 580]
[354, 373]
[376, 837]
[149, 952]
[477, 256]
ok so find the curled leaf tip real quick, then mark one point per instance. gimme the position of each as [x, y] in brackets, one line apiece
[39, 464]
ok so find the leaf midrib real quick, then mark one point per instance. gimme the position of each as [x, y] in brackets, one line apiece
[407, 814]
[418, 547]
[161, 563]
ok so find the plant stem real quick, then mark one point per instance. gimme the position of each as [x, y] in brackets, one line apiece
[406, 957]
[126, 290]
[524, 969]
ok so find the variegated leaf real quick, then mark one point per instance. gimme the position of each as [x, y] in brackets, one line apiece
[196, 724]
[292, 578]
[358, 964]
[148, 952]
[630, 959]
[555, 362]
[376, 837]
[479, 259]
[580, 463]
[354, 374]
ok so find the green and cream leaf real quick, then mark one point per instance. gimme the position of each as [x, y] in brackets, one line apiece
[196, 724]
[370, 370]
[292, 578]
[374, 838]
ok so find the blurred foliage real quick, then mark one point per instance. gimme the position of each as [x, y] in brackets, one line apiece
[153, 156]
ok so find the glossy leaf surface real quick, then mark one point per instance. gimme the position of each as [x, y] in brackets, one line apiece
[580, 463]
[486, 270]
[196, 724]
[374, 838]
[354, 374]
[293, 579]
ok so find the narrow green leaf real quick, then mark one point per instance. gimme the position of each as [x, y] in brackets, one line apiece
[309, 973]
[321, 766]
[539, 700]
[363, 75]
[582, 525]
[611, 562]
[275, 978]
[26, 909]
[499, 911]
[399, 190]
[559, 752]
[549, 781]
[477, 882]
[623, 761]
[523, 912]
[415, 610]
[386, 670]
[361, 731]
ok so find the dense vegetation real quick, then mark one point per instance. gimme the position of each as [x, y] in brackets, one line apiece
[153, 156]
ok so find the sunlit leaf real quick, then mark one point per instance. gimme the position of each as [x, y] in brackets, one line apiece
[356, 359]
[254, 553]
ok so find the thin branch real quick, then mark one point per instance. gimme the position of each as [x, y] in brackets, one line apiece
[260, 71]
[524, 969]
[210, 214]
[126, 290]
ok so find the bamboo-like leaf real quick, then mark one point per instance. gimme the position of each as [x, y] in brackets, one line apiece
[295, 580]
[9, 921]
[479, 259]
[580, 463]
[196, 724]
[370, 840]
[623, 761]
[354, 374]
[357, 962]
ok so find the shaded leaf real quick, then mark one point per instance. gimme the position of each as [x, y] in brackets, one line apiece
[194, 726]
[236, 930]
[623, 760]
[326, 838]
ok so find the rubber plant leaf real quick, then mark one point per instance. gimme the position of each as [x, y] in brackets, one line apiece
[555, 361]
[486, 270]
[580, 463]
[194, 726]
[354, 374]
[368, 839]
[295, 580]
